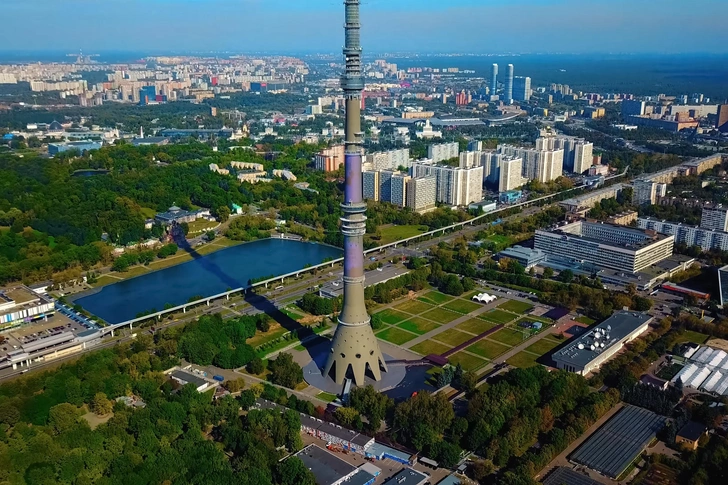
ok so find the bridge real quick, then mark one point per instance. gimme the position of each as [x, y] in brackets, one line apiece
[330, 264]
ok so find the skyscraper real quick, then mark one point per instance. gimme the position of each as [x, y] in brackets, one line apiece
[521, 88]
[509, 84]
[494, 80]
[354, 349]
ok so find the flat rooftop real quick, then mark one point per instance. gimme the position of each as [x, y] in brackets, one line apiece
[326, 467]
[566, 476]
[188, 377]
[581, 350]
[641, 238]
[408, 476]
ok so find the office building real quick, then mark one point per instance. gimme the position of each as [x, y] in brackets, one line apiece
[715, 217]
[644, 192]
[521, 88]
[605, 245]
[589, 350]
[526, 257]
[330, 159]
[706, 239]
[632, 107]
[20, 305]
[494, 80]
[422, 194]
[722, 118]
[510, 178]
[456, 186]
[509, 84]
[443, 151]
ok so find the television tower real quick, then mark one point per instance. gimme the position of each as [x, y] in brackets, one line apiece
[354, 349]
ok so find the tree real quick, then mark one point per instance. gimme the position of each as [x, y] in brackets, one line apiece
[62, 417]
[566, 276]
[235, 385]
[284, 371]
[447, 454]
[223, 213]
[255, 366]
[423, 417]
[210, 235]
[548, 273]
[481, 469]
[376, 321]
[292, 471]
[101, 405]
[347, 416]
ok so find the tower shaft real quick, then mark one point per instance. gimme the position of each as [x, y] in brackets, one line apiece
[354, 348]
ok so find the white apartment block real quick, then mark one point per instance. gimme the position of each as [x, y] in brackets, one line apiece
[706, 239]
[715, 217]
[475, 159]
[510, 177]
[456, 186]
[543, 165]
[578, 153]
[385, 186]
[443, 151]
[422, 194]
[644, 192]
[389, 160]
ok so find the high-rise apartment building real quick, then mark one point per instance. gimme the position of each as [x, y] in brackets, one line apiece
[644, 192]
[398, 184]
[722, 118]
[422, 194]
[456, 186]
[329, 159]
[510, 177]
[494, 80]
[443, 151]
[631, 107]
[723, 285]
[578, 153]
[707, 239]
[391, 159]
[370, 185]
[543, 165]
[521, 88]
[509, 84]
[715, 217]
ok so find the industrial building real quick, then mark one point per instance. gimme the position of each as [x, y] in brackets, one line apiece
[81, 146]
[566, 476]
[20, 305]
[617, 444]
[588, 351]
[184, 377]
[707, 370]
[605, 245]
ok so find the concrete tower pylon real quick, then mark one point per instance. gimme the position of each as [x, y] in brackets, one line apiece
[354, 350]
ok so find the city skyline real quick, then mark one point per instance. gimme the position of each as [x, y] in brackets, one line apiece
[553, 26]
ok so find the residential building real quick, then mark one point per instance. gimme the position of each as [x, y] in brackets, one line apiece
[330, 159]
[510, 177]
[632, 107]
[605, 245]
[644, 192]
[475, 146]
[543, 165]
[370, 185]
[389, 160]
[578, 154]
[443, 151]
[706, 239]
[456, 186]
[399, 183]
[422, 194]
[623, 218]
[589, 200]
[588, 351]
[715, 217]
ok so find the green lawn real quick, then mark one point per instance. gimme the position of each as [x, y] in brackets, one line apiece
[452, 337]
[462, 306]
[440, 315]
[516, 306]
[418, 325]
[201, 225]
[543, 346]
[475, 326]
[498, 316]
[414, 307]
[326, 396]
[395, 335]
[690, 336]
[430, 347]
[467, 361]
[487, 348]
[435, 297]
[523, 360]
[392, 317]
[500, 240]
[584, 319]
[393, 233]
[260, 338]
[507, 336]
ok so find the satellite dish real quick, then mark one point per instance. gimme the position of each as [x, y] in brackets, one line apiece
[602, 344]
[596, 335]
[592, 347]
[581, 346]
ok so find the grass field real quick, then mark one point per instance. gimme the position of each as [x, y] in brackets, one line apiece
[487, 348]
[543, 346]
[414, 307]
[392, 317]
[436, 298]
[500, 240]
[440, 315]
[429, 347]
[418, 325]
[260, 338]
[326, 396]
[452, 337]
[395, 335]
[507, 336]
[462, 306]
[516, 306]
[669, 371]
[523, 360]
[584, 319]
[475, 326]
[391, 234]
[690, 336]
[498, 316]
[467, 361]
[201, 225]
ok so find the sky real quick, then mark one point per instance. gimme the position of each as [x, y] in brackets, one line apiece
[426, 26]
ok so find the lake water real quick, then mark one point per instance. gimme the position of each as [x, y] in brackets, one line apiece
[207, 275]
